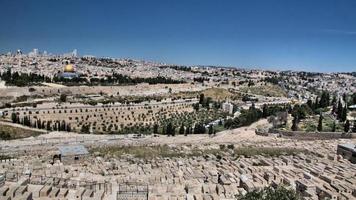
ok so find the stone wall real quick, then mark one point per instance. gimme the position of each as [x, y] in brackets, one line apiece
[306, 135]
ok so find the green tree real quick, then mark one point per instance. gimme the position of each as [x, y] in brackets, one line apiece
[301, 111]
[14, 118]
[85, 128]
[5, 135]
[295, 124]
[324, 99]
[201, 98]
[68, 128]
[62, 126]
[199, 129]
[264, 111]
[333, 101]
[320, 123]
[250, 83]
[39, 124]
[310, 103]
[211, 130]
[339, 110]
[187, 131]
[269, 193]
[173, 131]
[344, 114]
[169, 129]
[27, 121]
[333, 129]
[63, 98]
[347, 126]
[155, 129]
[353, 99]
[181, 130]
[344, 97]
[334, 108]
[48, 126]
[317, 104]
[196, 106]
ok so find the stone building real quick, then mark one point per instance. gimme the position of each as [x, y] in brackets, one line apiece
[228, 107]
[72, 154]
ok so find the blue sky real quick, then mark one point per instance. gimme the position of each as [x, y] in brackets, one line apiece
[312, 35]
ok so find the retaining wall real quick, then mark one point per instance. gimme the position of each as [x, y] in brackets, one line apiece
[309, 135]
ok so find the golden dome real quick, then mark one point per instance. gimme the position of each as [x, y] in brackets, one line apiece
[69, 68]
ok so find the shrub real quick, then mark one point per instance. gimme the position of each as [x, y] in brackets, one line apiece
[269, 193]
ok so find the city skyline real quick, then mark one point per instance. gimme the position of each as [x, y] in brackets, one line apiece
[74, 53]
[178, 99]
[278, 35]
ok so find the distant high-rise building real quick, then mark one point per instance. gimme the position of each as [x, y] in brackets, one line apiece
[74, 53]
[33, 53]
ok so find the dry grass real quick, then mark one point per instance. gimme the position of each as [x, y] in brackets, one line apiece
[9, 132]
[217, 93]
[265, 90]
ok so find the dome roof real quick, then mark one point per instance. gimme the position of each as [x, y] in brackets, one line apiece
[69, 68]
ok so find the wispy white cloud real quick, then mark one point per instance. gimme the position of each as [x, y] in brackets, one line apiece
[339, 31]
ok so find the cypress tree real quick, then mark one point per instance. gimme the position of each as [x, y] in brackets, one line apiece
[295, 124]
[347, 126]
[48, 126]
[344, 114]
[187, 131]
[169, 129]
[320, 124]
[344, 97]
[14, 118]
[334, 109]
[353, 101]
[264, 111]
[316, 105]
[339, 109]
[199, 129]
[181, 130]
[201, 99]
[211, 130]
[310, 103]
[333, 129]
[39, 124]
[173, 131]
[155, 128]
[334, 99]
[327, 98]
[63, 126]
[68, 128]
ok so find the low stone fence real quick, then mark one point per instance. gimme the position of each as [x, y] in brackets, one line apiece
[308, 135]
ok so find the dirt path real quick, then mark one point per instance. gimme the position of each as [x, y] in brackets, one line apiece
[236, 136]
[243, 134]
